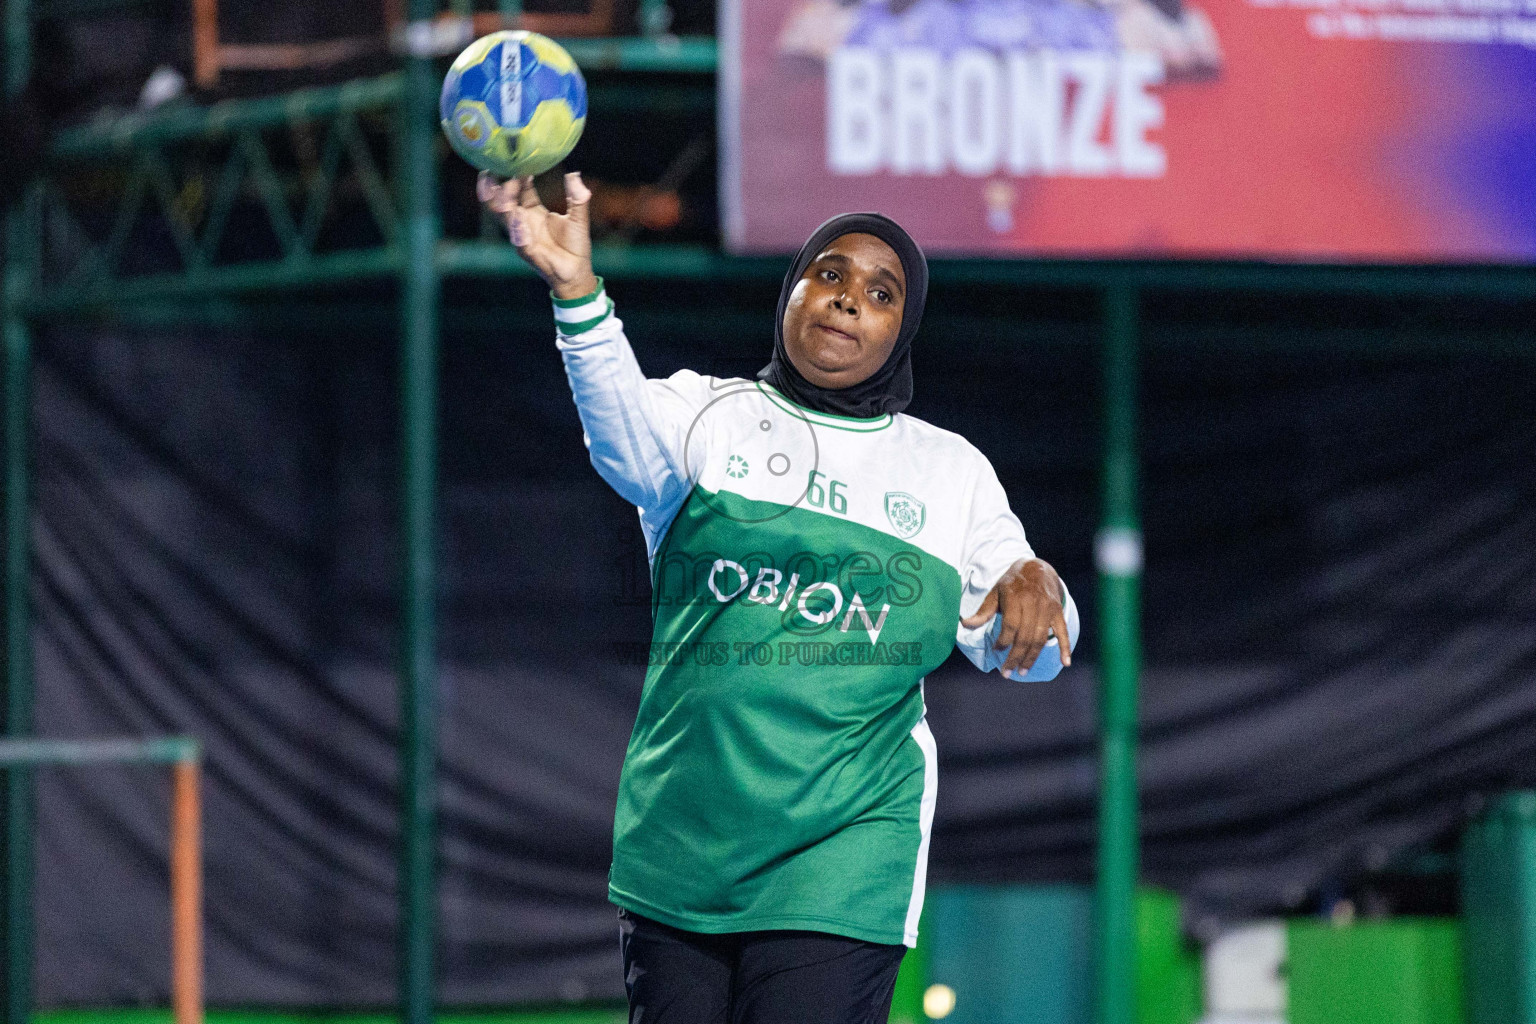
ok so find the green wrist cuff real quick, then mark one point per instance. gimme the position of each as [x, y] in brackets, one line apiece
[582, 301]
[577, 316]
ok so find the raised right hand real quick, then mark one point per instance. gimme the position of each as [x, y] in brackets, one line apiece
[558, 246]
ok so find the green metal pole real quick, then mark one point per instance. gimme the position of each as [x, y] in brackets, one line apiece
[16, 862]
[1118, 555]
[418, 677]
[16, 858]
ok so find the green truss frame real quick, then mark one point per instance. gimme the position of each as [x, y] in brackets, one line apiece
[291, 158]
[331, 135]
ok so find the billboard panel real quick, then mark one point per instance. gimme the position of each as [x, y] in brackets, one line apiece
[1370, 130]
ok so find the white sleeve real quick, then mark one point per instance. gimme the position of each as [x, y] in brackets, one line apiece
[994, 540]
[637, 430]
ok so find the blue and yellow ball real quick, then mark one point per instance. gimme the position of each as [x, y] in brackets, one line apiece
[513, 103]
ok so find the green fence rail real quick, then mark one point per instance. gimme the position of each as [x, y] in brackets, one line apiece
[287, 158]
[36, 753]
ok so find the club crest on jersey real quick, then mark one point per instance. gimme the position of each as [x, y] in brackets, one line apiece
[906, 513]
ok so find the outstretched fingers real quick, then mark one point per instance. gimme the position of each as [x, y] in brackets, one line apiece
[1009, 632]
[1063, 636]
[1022, 649]
[1022, 657]
[577, 200]
[1031, 631]
[556, 246]
[487, 187]
[518, 231]
[510, 201]
[528, 196]
[500, 198]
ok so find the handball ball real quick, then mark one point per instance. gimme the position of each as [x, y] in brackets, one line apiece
[514, 103]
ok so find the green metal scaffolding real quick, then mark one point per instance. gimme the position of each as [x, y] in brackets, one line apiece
[414, 252]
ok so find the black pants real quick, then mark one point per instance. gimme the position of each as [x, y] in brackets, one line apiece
[768, 977]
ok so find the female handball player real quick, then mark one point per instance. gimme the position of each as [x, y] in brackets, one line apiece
[815, 552]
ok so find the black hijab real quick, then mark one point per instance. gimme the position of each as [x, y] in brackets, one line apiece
[889, 388]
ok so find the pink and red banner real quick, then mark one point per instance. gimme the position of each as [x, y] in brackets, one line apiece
[1353, 130]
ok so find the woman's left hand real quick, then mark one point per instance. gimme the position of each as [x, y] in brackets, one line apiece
[1030, 597]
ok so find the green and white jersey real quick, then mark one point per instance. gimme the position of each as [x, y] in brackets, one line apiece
[808, 571]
